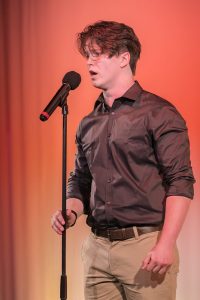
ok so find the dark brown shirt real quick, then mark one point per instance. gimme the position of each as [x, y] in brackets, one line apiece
[130, 157]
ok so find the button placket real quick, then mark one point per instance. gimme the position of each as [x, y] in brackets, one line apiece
[109, 174]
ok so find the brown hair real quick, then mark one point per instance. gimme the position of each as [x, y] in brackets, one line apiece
[112, 38]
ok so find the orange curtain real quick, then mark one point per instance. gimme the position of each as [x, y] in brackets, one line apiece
[37, 48]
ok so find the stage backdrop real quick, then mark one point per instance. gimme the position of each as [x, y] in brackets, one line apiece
[37, 49]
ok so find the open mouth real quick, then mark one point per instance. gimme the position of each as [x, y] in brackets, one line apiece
[92, 73]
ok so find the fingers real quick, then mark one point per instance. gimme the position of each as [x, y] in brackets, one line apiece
[68, 212]
[163, 270]
[153, 266]
[58, 222]
[146, 261]
[156, 269]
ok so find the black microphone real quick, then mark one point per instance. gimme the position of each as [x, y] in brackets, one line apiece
[70, 81]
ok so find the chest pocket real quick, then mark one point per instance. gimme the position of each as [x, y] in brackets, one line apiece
[130, 138]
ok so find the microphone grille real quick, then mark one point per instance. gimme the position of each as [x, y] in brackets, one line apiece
[72, 78]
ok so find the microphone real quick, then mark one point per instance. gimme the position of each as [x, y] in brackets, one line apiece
[70, 81]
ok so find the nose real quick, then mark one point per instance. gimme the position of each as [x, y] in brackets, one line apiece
[89, 60]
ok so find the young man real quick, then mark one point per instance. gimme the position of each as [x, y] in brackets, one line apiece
[132, 176]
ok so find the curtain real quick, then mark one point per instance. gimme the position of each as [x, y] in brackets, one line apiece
[37, 48]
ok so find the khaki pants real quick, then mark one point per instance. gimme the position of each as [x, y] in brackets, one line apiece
[113, 270]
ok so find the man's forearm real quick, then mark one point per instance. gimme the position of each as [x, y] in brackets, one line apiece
[162, 255]
[176, 211]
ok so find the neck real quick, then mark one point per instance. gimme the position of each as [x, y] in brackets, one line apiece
[117, 91]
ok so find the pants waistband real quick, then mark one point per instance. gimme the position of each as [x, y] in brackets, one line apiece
[119, 234]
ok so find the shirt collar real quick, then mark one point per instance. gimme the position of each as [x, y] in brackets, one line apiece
[133, 94]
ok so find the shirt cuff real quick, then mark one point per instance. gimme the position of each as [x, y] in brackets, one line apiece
[181, 187]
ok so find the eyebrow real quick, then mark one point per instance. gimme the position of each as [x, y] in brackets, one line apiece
[92, 51]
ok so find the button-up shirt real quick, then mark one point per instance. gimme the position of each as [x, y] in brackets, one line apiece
[129, 158]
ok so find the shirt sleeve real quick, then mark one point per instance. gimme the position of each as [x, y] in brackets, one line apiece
[79, 182]
[172, 150]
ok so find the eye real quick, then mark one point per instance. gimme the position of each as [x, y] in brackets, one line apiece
[86, 54]
[95, 54]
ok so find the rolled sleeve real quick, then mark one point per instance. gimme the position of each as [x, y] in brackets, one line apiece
[172, 150]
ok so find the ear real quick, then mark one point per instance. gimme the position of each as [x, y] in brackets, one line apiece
[125, 59]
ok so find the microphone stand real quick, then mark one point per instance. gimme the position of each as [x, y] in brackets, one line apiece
[63, 278]
[71, 81]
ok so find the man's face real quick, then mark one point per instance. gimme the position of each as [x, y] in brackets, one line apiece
[104, 70]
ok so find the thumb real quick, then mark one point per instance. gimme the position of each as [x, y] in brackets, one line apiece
[146, 261]
[68, 212]
[71, 217]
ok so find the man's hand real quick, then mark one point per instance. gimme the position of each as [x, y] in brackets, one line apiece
[159, 259]
[58, 222]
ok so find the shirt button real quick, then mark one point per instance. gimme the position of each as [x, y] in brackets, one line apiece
[109, 180]
[109, 135]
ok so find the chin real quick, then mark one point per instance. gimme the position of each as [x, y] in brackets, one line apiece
[97, 85]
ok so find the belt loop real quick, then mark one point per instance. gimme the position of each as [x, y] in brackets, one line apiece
[124, 234]
[95, 233]
[135, 232]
